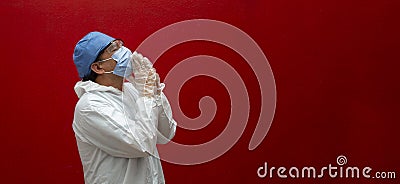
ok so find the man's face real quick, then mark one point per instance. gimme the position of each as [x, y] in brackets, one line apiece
[109, 64]
[104, 60]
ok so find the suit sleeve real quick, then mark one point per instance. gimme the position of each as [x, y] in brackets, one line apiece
[166, 124]
[100, 124]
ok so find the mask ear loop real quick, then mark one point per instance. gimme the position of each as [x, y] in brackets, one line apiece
[101, 61]
[105, 60]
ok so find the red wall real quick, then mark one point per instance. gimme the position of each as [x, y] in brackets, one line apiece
[335, 65]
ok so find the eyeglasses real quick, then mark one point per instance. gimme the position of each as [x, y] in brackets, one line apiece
[114, 46]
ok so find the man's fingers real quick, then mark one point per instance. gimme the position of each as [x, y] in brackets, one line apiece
[157, 81]
[147, 63]
[136, 61]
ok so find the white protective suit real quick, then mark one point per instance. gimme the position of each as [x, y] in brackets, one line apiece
[117, 133]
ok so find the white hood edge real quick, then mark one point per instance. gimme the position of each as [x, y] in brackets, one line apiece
[83, 87]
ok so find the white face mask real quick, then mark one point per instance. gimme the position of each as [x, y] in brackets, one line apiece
[124, 65]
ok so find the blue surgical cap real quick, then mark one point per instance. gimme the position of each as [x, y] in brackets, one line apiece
[87, 50]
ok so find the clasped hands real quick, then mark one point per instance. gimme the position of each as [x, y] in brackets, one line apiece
[146, 80]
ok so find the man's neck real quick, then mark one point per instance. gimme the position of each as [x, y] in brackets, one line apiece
[114, 81]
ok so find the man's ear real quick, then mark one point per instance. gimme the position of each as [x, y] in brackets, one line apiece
[96, 67]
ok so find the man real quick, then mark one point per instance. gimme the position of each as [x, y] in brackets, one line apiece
[117, 124]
